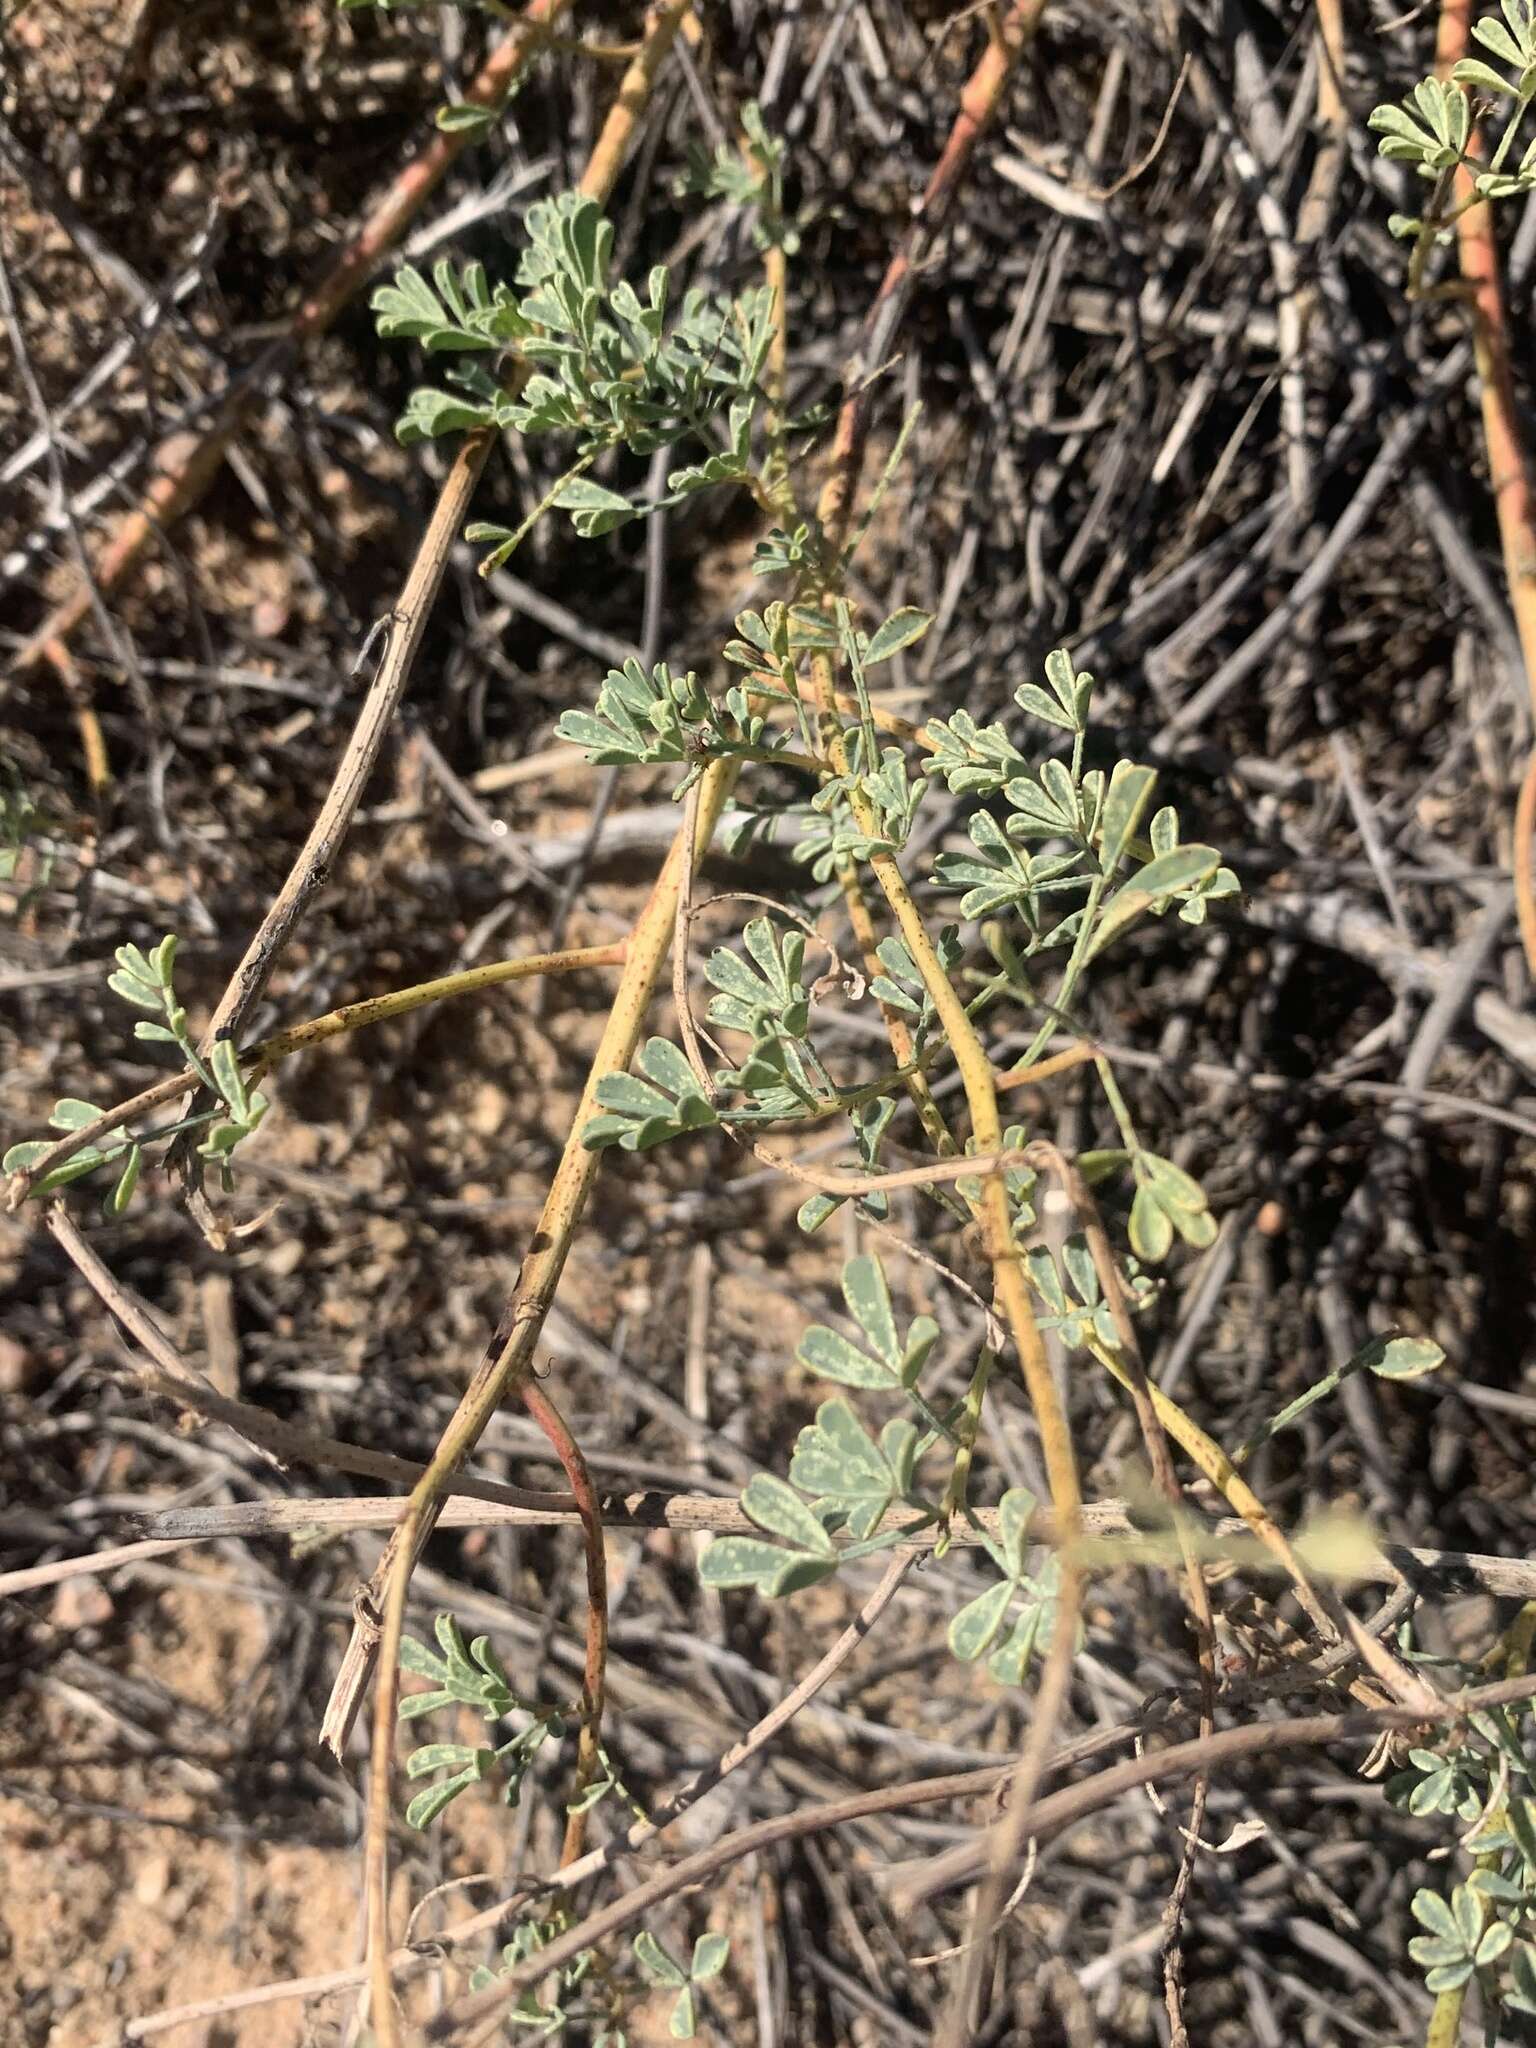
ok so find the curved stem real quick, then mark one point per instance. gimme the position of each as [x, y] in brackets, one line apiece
[1509, 473]
[266, 1052]
[509, 1355]
[589, 1748]
[979, 1082]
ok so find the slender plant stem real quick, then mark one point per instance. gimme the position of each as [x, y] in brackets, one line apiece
[589, 1745]
[266, 1052]
[509, 1355]
[977, 1078]
[1043, 1818]
[1509, 469]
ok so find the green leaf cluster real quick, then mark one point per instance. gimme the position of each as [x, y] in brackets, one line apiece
[471, 1676]
[662, 1967]
[642, 718]
[1431, 128]
[1027, 1606]
[611, 368]
[752, 177]
[1073, 1297]
[1087, 828]
[767, 993]
[888, 1360]
[855, 1481]
[1480, 1777]
[1168, 1203]
[662, 1101]
[146, 981]
[528, 2010]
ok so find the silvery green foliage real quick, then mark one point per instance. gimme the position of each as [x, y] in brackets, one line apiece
[853, 1482]
[642, 718]
[1085, 827]
[470, 1676]
[1168, 1202]
[765, 997]
[757, 182]
[901, 986]
[1478, 1778]
[765, 994]
[115, 1149]
[1433, 137]
[786, 553]
[146, 981]
[888, 1360]
[1069, 1290]
[612, 368]
[529, 2010]
[1027, 1607]
[662, 1967]
[878, 776]
[660, 1102]
[882, 777]
[1431, 129]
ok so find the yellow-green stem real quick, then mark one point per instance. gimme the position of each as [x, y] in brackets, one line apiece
[978, 1080]
[510, 1352]
[400, 1002]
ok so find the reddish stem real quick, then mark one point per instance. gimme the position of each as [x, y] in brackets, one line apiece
[1509, 473]
[185, 464]
[568, 1451]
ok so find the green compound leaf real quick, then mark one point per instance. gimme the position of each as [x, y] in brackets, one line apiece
[900, 630]
[850, 1474]
[890, 1362]
[659, 1962]
[776, 1507]
[1066, 706]
[594, 509]
[747, 1561]
[1169, 875]
[973, 759]
[979, 1624]
[768, 995]
[663, 1101]
[1168, 1202]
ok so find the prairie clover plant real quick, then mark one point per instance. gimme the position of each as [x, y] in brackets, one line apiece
[1056, 855]
[1063, 858]
[146, 981]
[1433, 128]
[1481, 1780]
[472, 1676]
[1053, 850]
